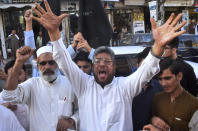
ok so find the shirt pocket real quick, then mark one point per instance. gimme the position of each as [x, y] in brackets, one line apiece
[114, 111]
[64, 108]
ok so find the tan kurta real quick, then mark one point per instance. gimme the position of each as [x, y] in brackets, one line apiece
[176, 114]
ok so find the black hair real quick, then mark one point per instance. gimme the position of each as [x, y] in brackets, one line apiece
[105, 49]
[82, 56]
[169, 63]
[174, 43]
[10, 64]
[143, 54]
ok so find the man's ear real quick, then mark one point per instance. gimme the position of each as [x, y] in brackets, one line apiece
[179, 76]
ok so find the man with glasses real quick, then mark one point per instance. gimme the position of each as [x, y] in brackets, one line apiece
[49, 97]
[105, 102]
[188, 81]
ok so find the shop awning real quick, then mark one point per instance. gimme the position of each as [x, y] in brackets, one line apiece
[179, 3]
[134, 2]
[5, 6]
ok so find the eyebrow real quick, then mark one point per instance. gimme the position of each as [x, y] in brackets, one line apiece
[165, 78]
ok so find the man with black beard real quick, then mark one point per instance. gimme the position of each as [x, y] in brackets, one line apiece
[105, 101]
[49, 96]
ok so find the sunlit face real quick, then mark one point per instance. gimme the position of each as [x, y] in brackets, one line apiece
[47, 67]
[169, 81]
[85, 66]
[13, 32]
[103, 69]
[22, 75]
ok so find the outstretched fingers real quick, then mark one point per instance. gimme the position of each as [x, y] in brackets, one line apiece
[153, 24]
[170, 19]
[175, 21]
[47, 6]
[180, 26]
[40, 9]
[179, 33]
[62, 16]
[36, 12]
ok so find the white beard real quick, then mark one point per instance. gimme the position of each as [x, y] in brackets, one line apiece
[49, 78]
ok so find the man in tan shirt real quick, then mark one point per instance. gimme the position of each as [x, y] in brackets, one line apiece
[174, 107]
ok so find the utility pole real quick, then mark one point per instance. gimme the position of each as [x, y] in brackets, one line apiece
[161, 11]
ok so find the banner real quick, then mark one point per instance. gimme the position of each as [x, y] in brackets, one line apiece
[153, 9]
[138, 23]
[94, 23]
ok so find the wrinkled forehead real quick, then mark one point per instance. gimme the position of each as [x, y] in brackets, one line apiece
[45, 57]
[103, 55]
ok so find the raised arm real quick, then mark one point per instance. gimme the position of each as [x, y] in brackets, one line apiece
[22, 55]
[51, 22]
[166, 33]
[29, 34]
[150, 66]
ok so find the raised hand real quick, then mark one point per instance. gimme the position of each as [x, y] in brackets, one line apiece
[167, 32]
[77, 38]
[47, 18]
[28, 16]
[23, 54]
[84, 44]
[28, 19]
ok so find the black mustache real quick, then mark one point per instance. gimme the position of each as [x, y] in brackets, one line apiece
[48, 71]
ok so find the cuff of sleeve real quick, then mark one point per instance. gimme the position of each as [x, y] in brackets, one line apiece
[91, 54]
[11, 95]
[153, 54]
[71, 51]
[29, 33]
[76, 121]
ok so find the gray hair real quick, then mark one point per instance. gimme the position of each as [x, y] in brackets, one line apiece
[105, 49]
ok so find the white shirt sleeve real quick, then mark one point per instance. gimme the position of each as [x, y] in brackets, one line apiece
[77, 78]
[20, 95]
[8, 121]
[134, 83]
[71, 51]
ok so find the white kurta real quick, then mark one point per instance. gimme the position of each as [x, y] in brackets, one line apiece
[47, 102]
[8, 121]
[107, 109]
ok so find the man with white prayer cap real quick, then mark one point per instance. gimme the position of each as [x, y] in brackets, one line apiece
[49, 96]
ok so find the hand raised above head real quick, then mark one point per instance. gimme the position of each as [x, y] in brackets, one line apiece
[23, 54]
[47, 18]
[167, 32]
[84, 44]
[28, 15]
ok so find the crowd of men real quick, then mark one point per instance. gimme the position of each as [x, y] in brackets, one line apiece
[75, 88]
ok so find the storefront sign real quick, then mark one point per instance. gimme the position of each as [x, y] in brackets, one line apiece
[110, 0]
[2, 38]
[185, 17]
[153, 9]
[179, 3]
[138, 23]
[134, 2]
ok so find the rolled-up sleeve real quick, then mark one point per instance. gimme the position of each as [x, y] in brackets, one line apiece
[20, 95]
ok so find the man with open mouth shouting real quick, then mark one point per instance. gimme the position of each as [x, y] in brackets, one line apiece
[105, 101]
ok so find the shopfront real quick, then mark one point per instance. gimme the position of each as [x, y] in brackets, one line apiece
[12, 17]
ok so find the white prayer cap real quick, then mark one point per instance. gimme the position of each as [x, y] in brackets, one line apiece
[44, 49]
